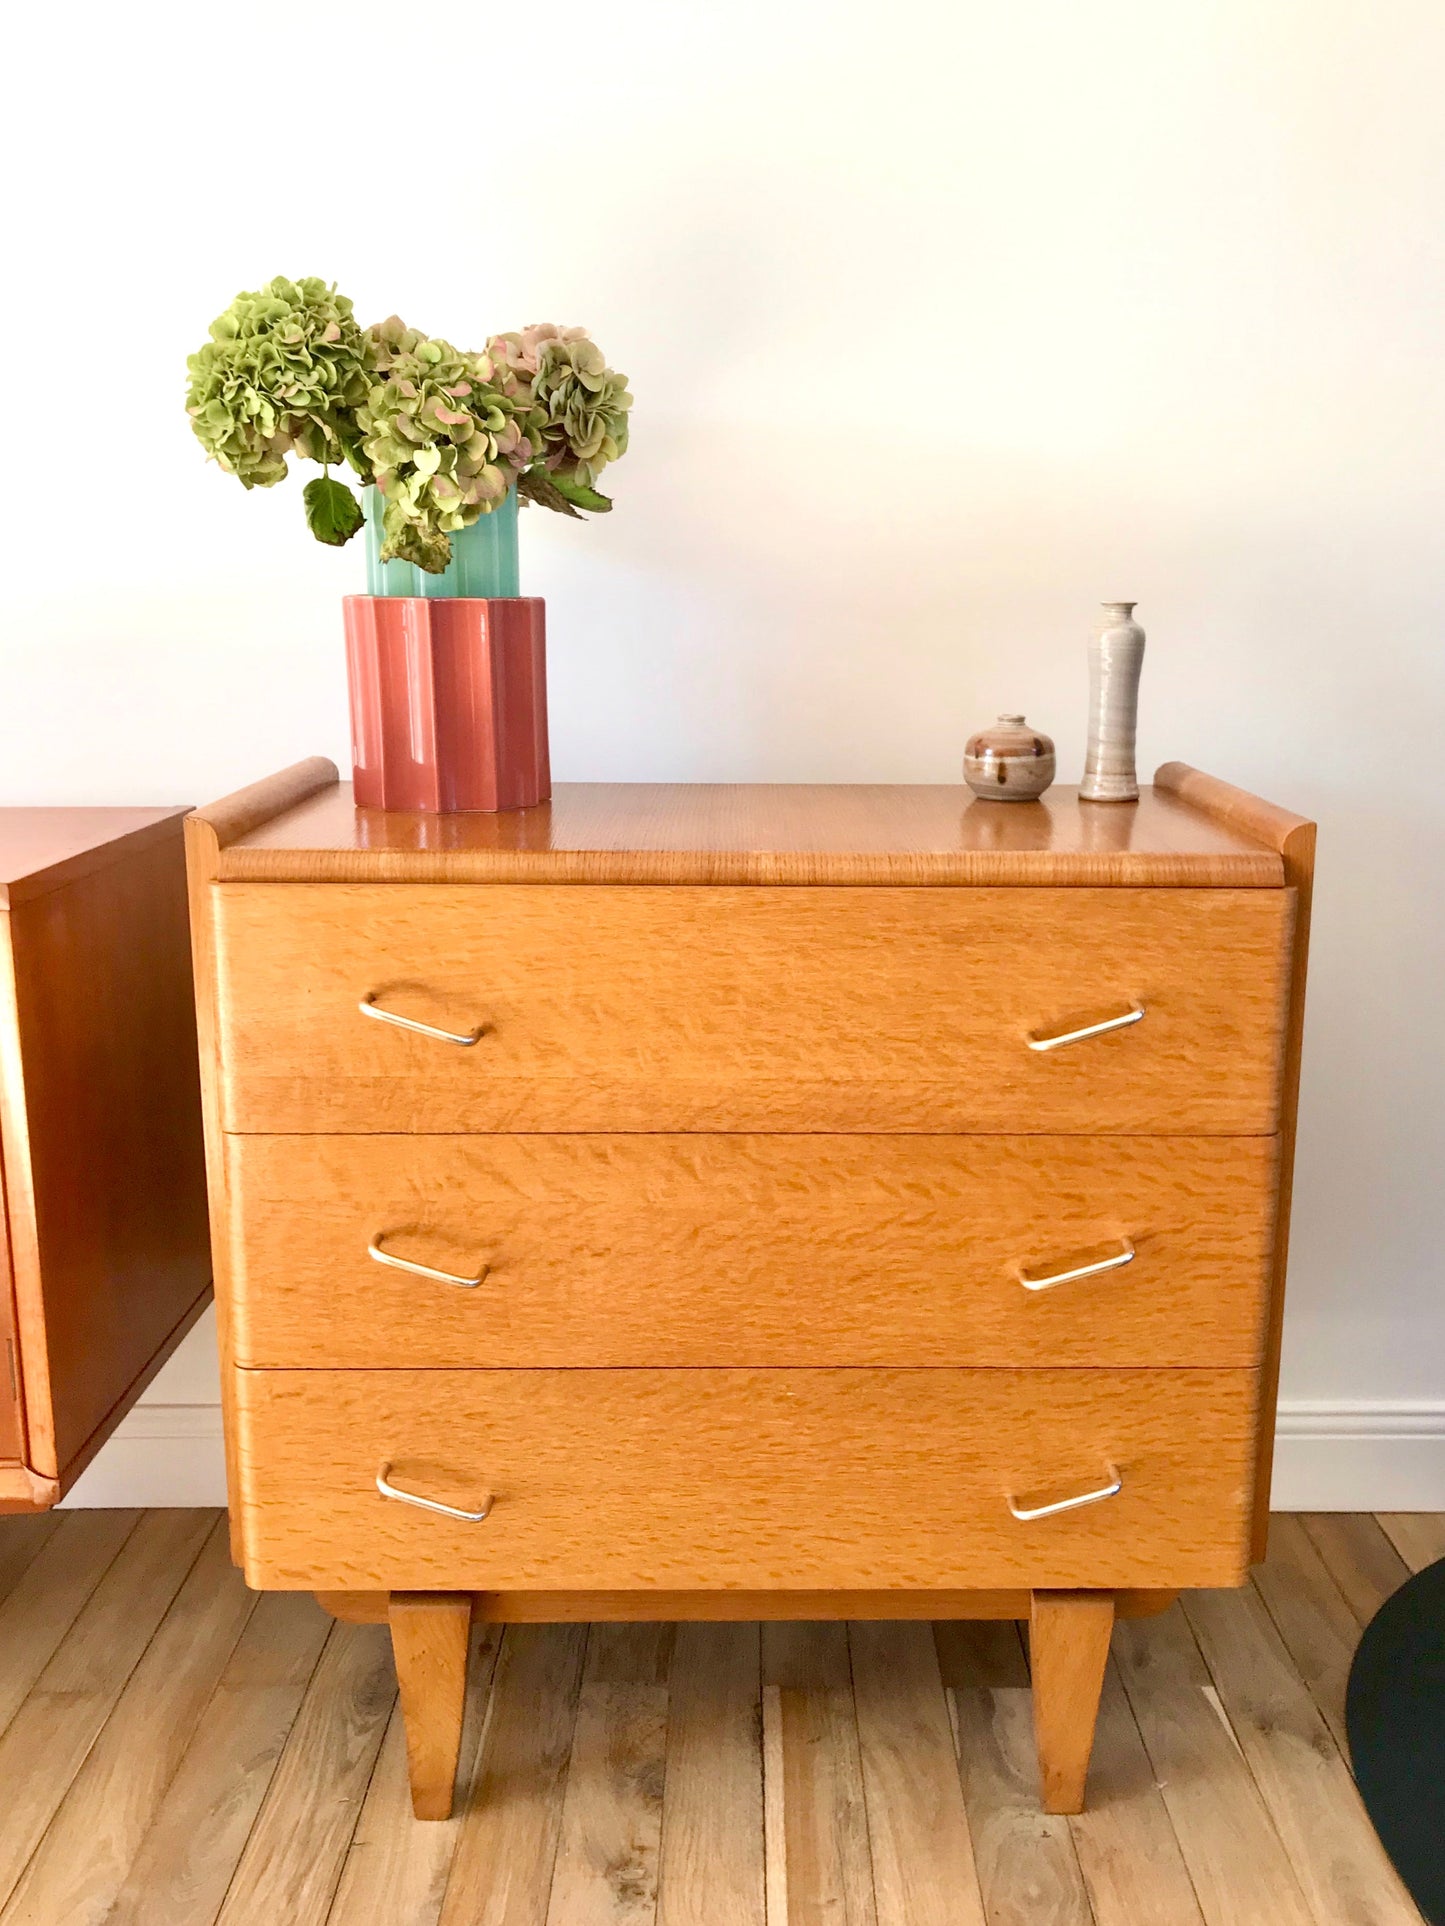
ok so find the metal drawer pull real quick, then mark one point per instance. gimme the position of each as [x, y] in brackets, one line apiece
[1114, 1263]
[369, 1006]
[374, 1249]
[1026, 1512]
[1132, 1015]
[430, 1504]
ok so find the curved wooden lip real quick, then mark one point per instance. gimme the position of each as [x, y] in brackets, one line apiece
[1191, 831]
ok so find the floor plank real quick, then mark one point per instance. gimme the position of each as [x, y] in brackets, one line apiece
[819, 1830]
[1237, 1864]
[50, 1594]
[502, 1871]
[46, 1742]
[1340, 1864]
[176, 1752]
[1028, 1871]
[22, 1536]
[1360, 1558]
[1418, 1536]
[607, 1857]
[1319, 1630]
[988, 1654]
[985, 1673]
[81, 1863]
[1128, 1852]
[923, 1867]
[396, 1870]
[189, 1856]
[290, 1871]
[712, 1824]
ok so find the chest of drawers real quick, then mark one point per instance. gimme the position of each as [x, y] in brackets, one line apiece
[729, 1202]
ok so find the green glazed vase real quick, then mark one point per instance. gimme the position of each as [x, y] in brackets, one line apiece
[484, 557]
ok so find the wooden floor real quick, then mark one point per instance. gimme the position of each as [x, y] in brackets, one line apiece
[175, 1751]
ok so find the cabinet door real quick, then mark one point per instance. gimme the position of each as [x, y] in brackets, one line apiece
[104, 1161]
[11, 1427]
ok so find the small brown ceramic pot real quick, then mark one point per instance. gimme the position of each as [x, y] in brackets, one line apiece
[1009, 762]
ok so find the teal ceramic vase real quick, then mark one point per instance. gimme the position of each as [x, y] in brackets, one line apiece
[484, 558]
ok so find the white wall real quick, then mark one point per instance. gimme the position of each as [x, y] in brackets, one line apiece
[945, 322]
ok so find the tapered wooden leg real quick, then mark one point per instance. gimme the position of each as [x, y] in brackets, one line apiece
[1068, 1649]
[429, 1638]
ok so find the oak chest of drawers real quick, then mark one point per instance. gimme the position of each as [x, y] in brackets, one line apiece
[744, 1202]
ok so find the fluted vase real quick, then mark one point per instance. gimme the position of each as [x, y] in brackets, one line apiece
[448, 677]
[1116, 656]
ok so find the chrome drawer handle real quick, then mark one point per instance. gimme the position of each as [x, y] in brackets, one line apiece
[1026, 1512]
[374, 1249]
[429, 1504]
[369, 1006]
[1114, 1263]
[1133, 1014]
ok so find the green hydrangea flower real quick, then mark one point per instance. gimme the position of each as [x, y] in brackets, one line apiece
[283, 373]
[577, 407]
[444, 438]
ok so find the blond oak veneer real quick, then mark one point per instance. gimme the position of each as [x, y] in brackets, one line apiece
[1294, 838]
[752, 1130]
[301, 827]
[749, 1009]
[757, 1480]
[898, 1250]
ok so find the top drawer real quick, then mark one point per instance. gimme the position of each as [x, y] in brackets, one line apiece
[613, 1009]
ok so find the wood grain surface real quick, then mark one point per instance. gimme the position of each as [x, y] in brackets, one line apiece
[298, 827]
[12, 1411]
[750, 1009]
[181, 1872]
[79, 1869]
[1069, 1636]
[714, 1781]
[756, 1250]
[918, 1830]
[430, 1632]
[43, 849]
[978, 1608]
[755, 1480]
[502, 1870]
[1294, 838]
[815, 1789]
[101, 1124]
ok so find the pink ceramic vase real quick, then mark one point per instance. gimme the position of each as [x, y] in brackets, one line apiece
[448, 701]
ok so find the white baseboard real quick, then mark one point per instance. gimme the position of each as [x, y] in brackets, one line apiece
[1359, 1455]
[1350, 1455]
[161, 1454]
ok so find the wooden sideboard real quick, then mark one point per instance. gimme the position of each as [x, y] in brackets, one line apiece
[733, 1202]
[104, 1256]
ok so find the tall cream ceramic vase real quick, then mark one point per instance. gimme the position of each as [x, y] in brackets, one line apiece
[1116, 655]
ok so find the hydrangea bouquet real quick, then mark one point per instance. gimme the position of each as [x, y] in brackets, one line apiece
[444, 435]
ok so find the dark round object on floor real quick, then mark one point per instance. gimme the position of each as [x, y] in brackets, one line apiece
[1395, 1715]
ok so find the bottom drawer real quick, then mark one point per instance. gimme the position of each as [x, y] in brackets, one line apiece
[744, 1479]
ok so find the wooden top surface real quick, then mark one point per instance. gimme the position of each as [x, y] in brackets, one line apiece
[681, 833]
[41, 849]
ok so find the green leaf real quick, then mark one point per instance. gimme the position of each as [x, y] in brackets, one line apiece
[333, 514]
[535, 485]
[581, 496]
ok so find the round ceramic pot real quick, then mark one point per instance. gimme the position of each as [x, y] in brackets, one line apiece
[1010, 762]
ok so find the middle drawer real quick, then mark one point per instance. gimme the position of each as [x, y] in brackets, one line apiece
[749, 1250]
